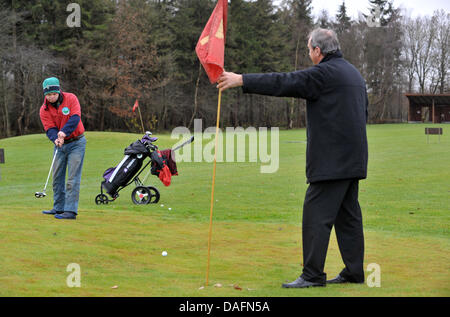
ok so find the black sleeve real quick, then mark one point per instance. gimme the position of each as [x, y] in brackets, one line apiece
[306, 84]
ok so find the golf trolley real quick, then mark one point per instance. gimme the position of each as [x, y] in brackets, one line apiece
[130, 168]
[141, 194]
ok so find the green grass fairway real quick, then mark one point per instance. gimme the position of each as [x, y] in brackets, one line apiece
[256, 241]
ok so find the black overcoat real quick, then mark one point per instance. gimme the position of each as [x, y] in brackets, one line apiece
[336, 102]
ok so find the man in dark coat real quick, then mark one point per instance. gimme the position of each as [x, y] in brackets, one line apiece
[336, 153]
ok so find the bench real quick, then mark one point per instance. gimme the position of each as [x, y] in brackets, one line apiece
[433, 131]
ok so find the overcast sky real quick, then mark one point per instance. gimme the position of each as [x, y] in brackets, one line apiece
[414, 7]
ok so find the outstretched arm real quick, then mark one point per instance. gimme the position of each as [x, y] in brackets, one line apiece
[305, 84]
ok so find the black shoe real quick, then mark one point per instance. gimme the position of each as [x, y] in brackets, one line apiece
[301, 283]
[341, 280]
[66, 215]
[51, 212]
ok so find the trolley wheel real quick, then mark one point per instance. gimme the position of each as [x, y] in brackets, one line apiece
[155, 194]
[101, 199]
[141, 195]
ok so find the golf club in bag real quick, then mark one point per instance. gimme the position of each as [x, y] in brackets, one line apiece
[42, 194]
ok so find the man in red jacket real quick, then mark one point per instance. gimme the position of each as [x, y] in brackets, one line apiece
[61, 117]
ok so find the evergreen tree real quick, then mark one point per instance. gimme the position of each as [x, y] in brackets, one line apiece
[382, 10]
[343, 21]
[297, 17]
[253, 46]
[162, 36]
[323, 20]
[190, 81]
[345, 32]
[89, 68]
[300, 24]
[382, 57]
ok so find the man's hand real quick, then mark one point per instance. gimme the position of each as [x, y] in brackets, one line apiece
[61, 135]
[229, 80]
[59, 142]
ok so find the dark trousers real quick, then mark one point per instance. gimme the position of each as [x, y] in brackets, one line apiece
[326, 204]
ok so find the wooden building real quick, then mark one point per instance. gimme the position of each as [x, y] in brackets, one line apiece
[429, 108]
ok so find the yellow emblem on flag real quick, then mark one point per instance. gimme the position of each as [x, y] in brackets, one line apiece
[204, 40]
[219, 33]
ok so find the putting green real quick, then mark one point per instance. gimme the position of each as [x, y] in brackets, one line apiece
[256, 242]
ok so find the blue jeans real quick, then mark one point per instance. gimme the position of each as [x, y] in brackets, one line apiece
[70, 156]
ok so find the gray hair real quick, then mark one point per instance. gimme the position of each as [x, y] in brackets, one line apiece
[324, 39]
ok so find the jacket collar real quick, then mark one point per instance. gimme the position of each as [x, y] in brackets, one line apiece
[330, 56]
[57, 103]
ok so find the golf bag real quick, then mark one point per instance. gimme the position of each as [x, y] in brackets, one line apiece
[132, 165]
[120, 175]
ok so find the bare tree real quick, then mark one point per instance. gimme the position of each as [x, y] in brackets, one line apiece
[426, 28]
[426, 49]
[441, 43]
[411, 39]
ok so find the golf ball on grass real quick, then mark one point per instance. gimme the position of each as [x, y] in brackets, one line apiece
[164, 253]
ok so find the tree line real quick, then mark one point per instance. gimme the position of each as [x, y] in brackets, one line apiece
[125, 50]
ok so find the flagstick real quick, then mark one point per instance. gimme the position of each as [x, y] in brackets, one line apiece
[142, 124]
[213, 184]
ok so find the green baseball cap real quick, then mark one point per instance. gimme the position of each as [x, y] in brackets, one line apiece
[51, 85]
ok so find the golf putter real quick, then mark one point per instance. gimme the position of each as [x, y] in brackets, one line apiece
[42, 194]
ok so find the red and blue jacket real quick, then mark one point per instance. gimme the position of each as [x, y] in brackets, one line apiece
[64, 115]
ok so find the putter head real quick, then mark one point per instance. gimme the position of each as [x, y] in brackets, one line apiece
[39, 194]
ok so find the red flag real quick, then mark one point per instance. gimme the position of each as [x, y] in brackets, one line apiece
[210, 48]
[136, 104]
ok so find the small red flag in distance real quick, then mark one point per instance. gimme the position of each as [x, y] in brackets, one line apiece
[136, 104]
[210, 47]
